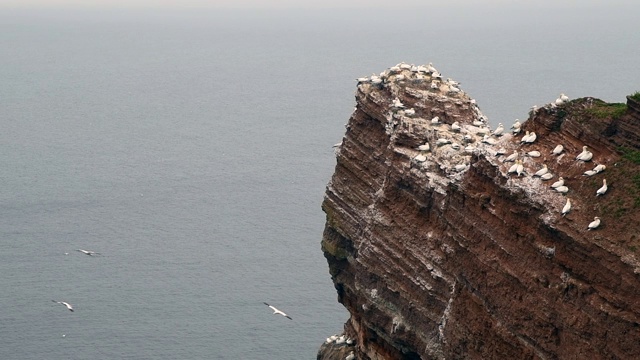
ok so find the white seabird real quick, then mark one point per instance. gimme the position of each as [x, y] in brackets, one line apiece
[65, 304]
[516, 124]
[499, 130]
[557, 150]
[397, 104]
[585, 155]
[501, 151]
[542, 171]
[520, 168]
[435, 120]
[488, 140]
[531, 138]
[589, 173]
[594, 224]
[547, 176]
[603, 189]
[351, 356]
[511, 157]
[455, 126]
[562, 189]
[443, 141]
[88, 252]
[424, 147]
[558, 183]
[564, 97]
[410, 112]
[525, 137]
[566, 208]
[600, 168]
[533, 153]
[513, 167]
[420, 158]
[276, 311]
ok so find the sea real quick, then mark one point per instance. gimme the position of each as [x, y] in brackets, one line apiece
[191, 149]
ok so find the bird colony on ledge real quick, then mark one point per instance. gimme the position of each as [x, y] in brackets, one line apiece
[454, 143]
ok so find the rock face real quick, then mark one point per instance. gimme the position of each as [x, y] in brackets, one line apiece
[444, 254]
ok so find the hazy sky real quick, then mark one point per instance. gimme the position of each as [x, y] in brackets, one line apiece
[294, 3]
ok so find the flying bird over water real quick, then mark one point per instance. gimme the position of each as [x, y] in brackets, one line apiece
[65, 304]
[88, 252]
[276, 311]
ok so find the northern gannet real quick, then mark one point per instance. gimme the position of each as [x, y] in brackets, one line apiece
[594, 224]
[562, 189]
[65, 304]
[501, 151]
[499, 130]
[531, 138]
[420, 158]
[516, 124]
[410, 112]
[397, 104]
[276, 311]
[443, 141]
[455, 126]
[600, 168]
[431, 69]
[520, 168]
[547, 176]
[542, 171]
[589, 173]
[488, 140]
[557, 150]
[533, 153]
[564, 97]
[511, 157]
[351, 356]
[424, 147]
[88, 252]
[566, 208]
[603, 189]
[558, 183]
[513, 167]
[435, 120]
[525, 137]
[585, 155]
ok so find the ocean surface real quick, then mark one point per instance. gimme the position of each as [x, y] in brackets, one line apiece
[191, 149]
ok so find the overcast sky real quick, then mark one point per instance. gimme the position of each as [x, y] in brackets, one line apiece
[293, 3]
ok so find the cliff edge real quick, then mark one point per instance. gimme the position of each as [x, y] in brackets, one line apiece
[441, 247]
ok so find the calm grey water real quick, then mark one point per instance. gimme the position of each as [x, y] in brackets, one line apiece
[192, 148]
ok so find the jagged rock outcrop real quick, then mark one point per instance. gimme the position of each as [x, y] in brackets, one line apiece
[444, 254]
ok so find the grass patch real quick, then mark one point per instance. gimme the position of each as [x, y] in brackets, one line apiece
[634, 157]
[635, 96]
[607, 110]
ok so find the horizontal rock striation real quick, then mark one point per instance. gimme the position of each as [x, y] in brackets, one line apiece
[445, 254]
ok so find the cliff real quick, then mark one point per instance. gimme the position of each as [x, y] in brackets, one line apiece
[444, 254]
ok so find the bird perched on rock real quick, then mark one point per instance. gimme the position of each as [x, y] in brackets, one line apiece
[562, 189]
[542, 171]
[594, 224]
[547, 176]
[603, 189]
[499, 130]
[557, 150]
[558, 183]
[585, 155]
[455, 126]
[511, 157]
[566, 208]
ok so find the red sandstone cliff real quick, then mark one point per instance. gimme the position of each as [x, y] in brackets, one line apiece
[446, 255]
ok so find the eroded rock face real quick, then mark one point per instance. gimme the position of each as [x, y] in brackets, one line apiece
[444, 254]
